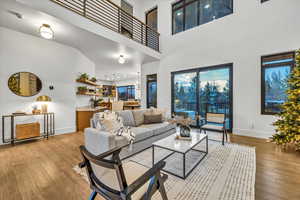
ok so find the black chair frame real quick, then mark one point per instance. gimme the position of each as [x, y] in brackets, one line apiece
[126, 191]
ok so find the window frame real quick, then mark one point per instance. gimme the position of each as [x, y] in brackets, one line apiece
[128, 87]
[150, 79]
[263, 81]
[183, 6]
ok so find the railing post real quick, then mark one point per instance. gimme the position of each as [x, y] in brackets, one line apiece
[119, 20]
[84, 7]
[157, 36]
[142, 33]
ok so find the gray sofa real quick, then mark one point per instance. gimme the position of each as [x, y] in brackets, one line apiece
[97, 141]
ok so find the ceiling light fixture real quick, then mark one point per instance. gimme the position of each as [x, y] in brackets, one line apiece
[46, 31]
[121, 59]
[207, 6]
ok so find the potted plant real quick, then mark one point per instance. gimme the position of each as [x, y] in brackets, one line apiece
[82, 89]
[83, 77]
[93, 79]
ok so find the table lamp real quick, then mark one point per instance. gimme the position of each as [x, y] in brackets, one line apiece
[44, 98]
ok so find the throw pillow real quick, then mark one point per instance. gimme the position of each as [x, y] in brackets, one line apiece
[152, 118]
[160, 111]
[127, 117]
[111, 122]
[138, 116]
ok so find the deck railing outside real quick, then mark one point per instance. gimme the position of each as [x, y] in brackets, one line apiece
[108, 14]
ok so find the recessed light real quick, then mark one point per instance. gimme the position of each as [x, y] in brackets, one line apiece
[46, 31]
[180, 13]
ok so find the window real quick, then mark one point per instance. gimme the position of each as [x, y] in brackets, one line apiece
[276, 70]
[190, 13]
[263, 1]
[126, 92]
[198, 91]
[152, 90]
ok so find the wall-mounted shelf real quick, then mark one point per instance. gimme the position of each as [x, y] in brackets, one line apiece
[89, 94]
[88, 82]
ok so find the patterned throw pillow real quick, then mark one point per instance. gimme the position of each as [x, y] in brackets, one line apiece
[111, 122]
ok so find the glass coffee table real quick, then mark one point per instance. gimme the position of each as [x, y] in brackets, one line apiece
[181, 156]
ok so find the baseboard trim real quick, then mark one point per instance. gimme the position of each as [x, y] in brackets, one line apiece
[253, 133]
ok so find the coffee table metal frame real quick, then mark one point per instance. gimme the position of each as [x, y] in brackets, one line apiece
[185, 174]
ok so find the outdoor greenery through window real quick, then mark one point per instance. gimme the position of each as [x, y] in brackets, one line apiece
[276, 70]
[126, 92]
[198, 91]
[190, 13]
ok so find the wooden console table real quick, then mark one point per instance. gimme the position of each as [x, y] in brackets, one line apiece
[48, 125]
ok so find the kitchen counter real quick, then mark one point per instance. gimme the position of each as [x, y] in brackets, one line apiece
[90, 109]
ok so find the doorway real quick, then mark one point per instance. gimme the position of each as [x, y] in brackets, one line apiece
[198, 91]
[152, 91]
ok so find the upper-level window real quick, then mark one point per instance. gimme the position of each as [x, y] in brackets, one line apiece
[275, 71]
[190, 13]
[262, 1]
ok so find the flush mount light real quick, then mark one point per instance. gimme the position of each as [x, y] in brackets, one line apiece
[121, 59]
[46, 31]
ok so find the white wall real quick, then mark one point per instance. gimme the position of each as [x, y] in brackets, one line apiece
[253, 30]
[54, 64]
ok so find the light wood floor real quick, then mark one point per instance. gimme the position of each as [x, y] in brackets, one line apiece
[43, 170]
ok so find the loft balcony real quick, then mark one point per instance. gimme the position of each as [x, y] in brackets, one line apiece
[111, 16]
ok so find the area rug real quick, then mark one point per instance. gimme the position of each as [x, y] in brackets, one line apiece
[226, 173]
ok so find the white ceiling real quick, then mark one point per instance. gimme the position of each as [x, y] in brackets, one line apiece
[103, 52]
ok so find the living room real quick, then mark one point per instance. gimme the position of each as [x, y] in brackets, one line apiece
[187, 88]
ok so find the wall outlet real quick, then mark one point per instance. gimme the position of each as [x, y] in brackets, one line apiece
[251, 125]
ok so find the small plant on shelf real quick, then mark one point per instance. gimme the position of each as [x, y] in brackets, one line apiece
[82, 89]
[93, 79]
[83, 77]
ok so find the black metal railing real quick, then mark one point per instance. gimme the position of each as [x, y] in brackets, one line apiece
[110, 15]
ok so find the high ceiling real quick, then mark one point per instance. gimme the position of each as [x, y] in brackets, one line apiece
[103, 52]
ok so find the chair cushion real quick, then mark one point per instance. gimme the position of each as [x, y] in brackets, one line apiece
[213, 127]
[127, 117]
[132, 172]
[138, 116]
[159, 128]
[141, 133]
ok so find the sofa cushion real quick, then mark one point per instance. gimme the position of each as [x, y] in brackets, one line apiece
[152, 118]
[141, 133]
[127, 117]
[138, 116]
[159, 128]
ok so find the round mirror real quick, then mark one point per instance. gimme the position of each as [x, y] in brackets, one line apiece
[24, 84]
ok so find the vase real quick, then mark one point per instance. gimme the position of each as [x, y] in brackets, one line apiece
[185, 131]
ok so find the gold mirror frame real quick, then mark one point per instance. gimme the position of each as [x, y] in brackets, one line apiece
[24, 84]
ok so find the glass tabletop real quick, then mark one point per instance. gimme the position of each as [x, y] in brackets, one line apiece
[179, 145]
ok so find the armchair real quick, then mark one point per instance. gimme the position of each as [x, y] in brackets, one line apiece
[132, 181]
[215, 122]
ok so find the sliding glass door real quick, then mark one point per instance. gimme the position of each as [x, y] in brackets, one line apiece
[214, 92]
[185, 95]
[198, 91]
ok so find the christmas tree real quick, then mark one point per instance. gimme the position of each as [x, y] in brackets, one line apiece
[288, 124]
